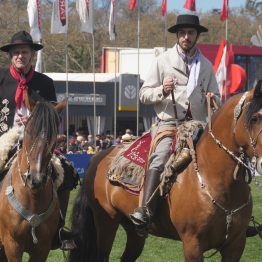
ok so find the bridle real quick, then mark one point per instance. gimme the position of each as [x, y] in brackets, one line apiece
[253, 141]
[26, 175]
[239, 159]
[33, 219]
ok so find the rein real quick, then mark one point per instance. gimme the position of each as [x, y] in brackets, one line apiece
[33, 219]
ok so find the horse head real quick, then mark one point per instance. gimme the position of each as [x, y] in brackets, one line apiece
[248, 124]
[39, 142]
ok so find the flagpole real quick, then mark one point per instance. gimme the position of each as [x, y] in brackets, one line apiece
[67, 95]
[115, 94]
[138, 69]
[165, 32]
[226, 35]
[94, 85]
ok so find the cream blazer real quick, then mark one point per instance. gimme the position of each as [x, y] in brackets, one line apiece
[168, 63]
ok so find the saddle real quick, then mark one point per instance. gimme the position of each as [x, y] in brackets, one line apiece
[128, 168]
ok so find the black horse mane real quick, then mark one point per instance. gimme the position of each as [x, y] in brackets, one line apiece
[43, 122]
[255, 104]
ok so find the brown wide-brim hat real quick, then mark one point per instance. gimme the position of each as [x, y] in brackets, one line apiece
[21, 38]
[187, 20]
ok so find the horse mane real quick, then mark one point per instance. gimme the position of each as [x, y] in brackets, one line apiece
[255, 104]
[44, 121]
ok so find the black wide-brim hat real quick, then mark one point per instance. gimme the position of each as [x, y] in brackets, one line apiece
[21, 38]
[187, 20]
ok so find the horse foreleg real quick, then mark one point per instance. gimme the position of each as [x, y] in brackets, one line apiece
[3, 257]
[39, 254]
[12, 250]
[233, 251]
[134, 243]
[191, 248]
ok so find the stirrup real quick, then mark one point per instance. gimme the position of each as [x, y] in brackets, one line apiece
[182, 161]
[141, 216]
[66, 238]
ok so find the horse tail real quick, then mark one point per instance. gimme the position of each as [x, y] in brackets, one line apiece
[83, 227]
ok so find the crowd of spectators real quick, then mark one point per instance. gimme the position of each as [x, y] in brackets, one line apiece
[82, 143]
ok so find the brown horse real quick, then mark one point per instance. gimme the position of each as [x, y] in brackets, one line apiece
[28, 201]
[207, 207]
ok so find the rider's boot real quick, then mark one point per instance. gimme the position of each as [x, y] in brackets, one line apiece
[181, 161]
[142, 216]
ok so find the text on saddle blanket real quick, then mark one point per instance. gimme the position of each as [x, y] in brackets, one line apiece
[138, 150]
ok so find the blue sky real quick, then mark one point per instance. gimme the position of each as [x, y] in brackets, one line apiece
[202, 5]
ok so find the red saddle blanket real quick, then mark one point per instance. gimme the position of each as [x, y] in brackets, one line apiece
[138, 150]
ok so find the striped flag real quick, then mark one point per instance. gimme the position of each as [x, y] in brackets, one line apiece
[85, 9]
[224, 12]
[132, 4]
[34, 18]
[190, 5]
[59, 20]
[112, 21]
[164, 5]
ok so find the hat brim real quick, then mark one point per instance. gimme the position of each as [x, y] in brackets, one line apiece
[175, 28]
[36, 47]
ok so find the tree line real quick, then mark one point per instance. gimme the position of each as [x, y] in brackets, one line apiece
[242, 24]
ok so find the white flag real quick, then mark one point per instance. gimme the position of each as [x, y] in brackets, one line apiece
[221, 72]
[34, 18]
[112, 21]
[85, 9]
[38, 64]
[59, 22]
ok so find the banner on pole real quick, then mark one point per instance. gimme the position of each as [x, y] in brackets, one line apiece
[132, 4]
[164, 5]
[128, 92]
[34, 18]
[59, 20]
[112, 21]
[38, 65]
[224, 12]
[85, 9]
[190, 5]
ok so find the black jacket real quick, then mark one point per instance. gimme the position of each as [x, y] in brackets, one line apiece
[40, 83]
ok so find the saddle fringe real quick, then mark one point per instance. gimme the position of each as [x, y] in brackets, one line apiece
[130, 175]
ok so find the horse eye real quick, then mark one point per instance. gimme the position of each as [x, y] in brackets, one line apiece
[255, 118]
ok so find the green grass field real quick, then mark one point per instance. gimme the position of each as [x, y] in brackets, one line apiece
[160, 249]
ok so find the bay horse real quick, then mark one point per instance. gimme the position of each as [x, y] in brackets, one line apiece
[29, 208]
[208, 207]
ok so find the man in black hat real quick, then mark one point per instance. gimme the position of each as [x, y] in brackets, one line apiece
[19, 78]
[177, 83]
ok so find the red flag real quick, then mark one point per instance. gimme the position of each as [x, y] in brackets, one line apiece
[132, 4]
[224, 12]
[190, 5]
[164, 4]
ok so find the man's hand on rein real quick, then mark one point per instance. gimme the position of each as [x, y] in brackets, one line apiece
[169, 84]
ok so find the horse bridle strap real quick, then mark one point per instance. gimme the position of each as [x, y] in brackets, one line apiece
[33, 219]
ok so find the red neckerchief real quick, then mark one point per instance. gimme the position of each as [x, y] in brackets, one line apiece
[22, 87]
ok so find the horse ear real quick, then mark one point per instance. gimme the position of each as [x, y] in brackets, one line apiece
[61, 105]
[258, 89]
